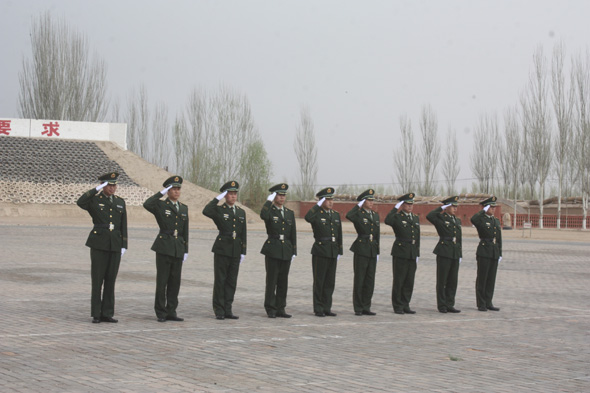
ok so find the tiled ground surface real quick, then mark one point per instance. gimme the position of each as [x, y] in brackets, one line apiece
[538, 342]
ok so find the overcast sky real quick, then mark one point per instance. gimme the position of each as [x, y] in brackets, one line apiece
[357, 65]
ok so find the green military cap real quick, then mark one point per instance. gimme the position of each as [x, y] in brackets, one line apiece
[490, 201]
[408, 198]
[174, 181]
[368, 194]
[454, 200]
[327, 193]
[231, 185]
[280, 188]
[111, 177]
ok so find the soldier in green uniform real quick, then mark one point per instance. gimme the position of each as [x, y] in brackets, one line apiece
[107, 242]
[279, 249]
[448, 253]
[366, 251]
[488, 254]
[171, 247]
[405, 252]
[229, 247]
[326, 250]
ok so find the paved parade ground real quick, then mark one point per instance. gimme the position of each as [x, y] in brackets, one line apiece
[538, 342]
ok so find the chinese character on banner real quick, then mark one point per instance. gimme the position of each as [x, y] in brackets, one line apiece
[5, 127]
[51, 129]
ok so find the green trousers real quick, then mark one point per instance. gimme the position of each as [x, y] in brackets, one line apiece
[404, 272]
[277, 283]
[324, 281]
[103, 272]
[226, 279]
[168, 272]
[486, 281]
[447, 272]
[364, 282]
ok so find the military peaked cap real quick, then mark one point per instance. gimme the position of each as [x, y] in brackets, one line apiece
[454, 200]
[490, 201]
[111, 177]
[408, 198]
[230, 186]
[280, 188]
[327, 193]
[368, 194]
[174, 181]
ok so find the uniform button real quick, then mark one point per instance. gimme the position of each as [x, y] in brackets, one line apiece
[111, 216]
[282, 241]
[111, 209]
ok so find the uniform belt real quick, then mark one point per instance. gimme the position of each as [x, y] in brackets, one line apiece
[109, 226]
[448, 239]
[405, 240]
[169, 232]
[229, 234]
[366, 236]
[280, 237]
[325, 239]
[488, 239]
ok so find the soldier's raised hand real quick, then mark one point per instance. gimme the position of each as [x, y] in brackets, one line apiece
[321, 202]
[445, 206]
[399, 204]
[485, 209]
[221, 196]
[103, 185]
[271, 197]
[361, 203]
[165, 190]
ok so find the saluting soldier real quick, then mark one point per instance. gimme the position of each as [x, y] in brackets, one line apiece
[171, 246]
[107, 242]
[326, 250]
[405, 252]
[229, 247]
[279, 249]
[366, 251]
[448, 253]
[488, 254]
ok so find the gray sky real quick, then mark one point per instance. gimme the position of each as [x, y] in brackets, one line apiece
[358, 65]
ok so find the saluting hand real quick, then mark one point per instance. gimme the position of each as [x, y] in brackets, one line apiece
[399, 204]
[321, 202]
[445, 206]
[271, 197]
[165, 190]
[103, 185]
[361, 203]
[221, 196]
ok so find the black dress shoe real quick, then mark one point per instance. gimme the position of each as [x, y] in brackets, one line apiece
[409, 311]
[330, 314]
[284, 315]
[272, 316]
[358, 313]
[109, 319]
[161, 319]
[220, 317]
[96, 320]
[443, 310]
[369, 313]
[177, 319]
[482, 308]
[320, 314]
[231, 316]
[453, 310]
[399, 311]
[492, 308]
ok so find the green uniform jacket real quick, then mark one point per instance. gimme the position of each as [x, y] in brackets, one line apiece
[325, 227]
[407, 234]
[231, 241]
[367, 229]
[169, 221]
[104, 215]
[448, 229]
[490, 235]
[282, 233]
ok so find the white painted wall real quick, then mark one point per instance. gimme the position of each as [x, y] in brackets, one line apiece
[57, 129]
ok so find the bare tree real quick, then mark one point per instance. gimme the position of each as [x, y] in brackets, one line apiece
[137, 120]
[451, 162]
[581, 81]
[484, 156]
[511, 155]
[405, 158]
[430, 154]
[563, 107]
[61, 81]
[255, 172]
[537, 124]
[307, 154]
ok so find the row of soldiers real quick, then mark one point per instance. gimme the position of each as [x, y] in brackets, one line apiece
[108, 243]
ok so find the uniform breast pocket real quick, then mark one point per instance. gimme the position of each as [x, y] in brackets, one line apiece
[242, 219]
[289, 222]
